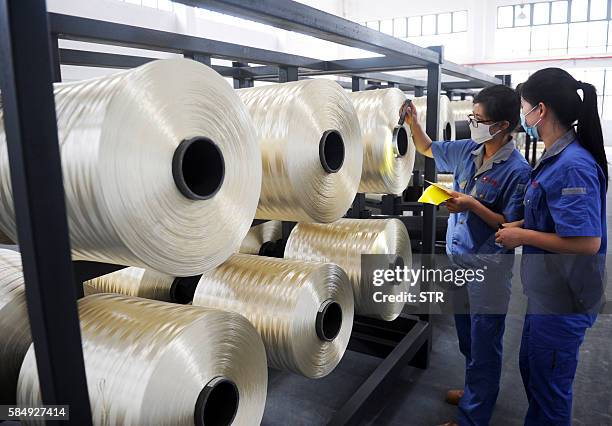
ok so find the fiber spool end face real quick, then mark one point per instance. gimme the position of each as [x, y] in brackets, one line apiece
[217, 404]
[198, 168]
[331, 151]
[400, 141]
[329, 320]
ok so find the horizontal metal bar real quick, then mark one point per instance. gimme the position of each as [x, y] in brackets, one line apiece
[298, 17]
[463, 85]
[86, 58]
[91, 30]
[468, 73]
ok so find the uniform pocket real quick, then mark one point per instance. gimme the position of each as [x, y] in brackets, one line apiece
[485, 192]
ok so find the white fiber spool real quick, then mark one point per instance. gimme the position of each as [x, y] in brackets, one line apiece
[302, 310]
[446, 124]
[344, 242]
[144, 283]
[155, 363]
[132, 281]
[459, 112]
[388, 152]
[311, 149]
[161, 168]
[15, 336]
[258, 235]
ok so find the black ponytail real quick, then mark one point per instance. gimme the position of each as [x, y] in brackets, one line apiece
[558, 90]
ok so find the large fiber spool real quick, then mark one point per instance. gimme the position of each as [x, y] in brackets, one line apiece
[160, 164]
[303, 310]
[259, 236]
[15, 336]
[459, 111]
[343, 242]
[388, 152]
[311, 149]
[155, 363]
[446, 125]
[144, 283]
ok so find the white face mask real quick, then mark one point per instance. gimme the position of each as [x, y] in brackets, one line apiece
[482, 134]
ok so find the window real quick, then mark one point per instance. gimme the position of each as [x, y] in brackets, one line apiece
[558, 12]
[386, 26]
[422, 26]
[460, 21]
[429, 24]
[414, 26]
[599, 10]
[505, 17]
[445, 23]
[541, 13]
[580, 10]
[399, 27]
[522, 15]
[555, 28]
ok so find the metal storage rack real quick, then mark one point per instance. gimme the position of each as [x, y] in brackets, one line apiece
[28, 69]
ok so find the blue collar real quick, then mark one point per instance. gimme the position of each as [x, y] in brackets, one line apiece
[557, 147]
[501, 155]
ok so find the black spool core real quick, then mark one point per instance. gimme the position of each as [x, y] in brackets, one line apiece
[329, 320]
[400, 138]
[331, 151]
[217, 403]
[198, 168]
[183, 289]
[448, 132]
[462, 130]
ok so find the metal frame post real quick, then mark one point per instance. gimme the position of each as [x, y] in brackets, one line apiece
[40, 211]
[434, 73]
[357, 84]
[241, 83]
[198, 57]
[286, 74]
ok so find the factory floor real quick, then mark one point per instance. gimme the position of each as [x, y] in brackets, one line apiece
[417, 396]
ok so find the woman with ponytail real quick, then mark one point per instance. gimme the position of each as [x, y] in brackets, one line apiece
[563, 235]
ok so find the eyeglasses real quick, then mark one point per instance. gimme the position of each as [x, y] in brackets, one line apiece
[473, 121]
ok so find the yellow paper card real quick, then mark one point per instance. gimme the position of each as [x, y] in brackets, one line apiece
[434, 195]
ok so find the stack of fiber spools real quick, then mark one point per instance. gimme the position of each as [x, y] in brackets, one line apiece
[165, 176]
[156, 176]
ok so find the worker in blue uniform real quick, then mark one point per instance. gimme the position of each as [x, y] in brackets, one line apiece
[564, 239]
[490, 178]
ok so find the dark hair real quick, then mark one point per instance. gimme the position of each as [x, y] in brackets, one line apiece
[558, 90]
[501, 103]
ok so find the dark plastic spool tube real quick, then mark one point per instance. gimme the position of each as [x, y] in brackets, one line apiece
[217, 403]
[400, 141]
[198, 168]
[448, 132]
[183, 289]
[462, 130]
[331, 151]
[329, 320]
